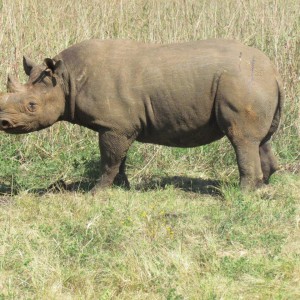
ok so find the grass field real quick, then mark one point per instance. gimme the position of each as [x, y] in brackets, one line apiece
[184, 231]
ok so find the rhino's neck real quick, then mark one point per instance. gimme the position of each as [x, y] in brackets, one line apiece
[69, 88]
[71, 100]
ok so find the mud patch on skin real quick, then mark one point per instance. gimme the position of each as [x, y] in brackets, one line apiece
[250, 113]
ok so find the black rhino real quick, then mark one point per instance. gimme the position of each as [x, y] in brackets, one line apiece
[181, 95]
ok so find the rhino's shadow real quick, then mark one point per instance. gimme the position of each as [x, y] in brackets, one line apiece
[5, 194]
[5, 189]
[186, 184]
[91, 173]
[89, 179]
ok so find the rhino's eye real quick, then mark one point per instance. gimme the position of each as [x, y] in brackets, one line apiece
[31, 106]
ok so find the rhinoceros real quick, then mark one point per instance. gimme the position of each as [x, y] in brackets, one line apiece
[180, 95]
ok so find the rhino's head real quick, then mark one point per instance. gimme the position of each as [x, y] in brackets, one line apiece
[37, 104]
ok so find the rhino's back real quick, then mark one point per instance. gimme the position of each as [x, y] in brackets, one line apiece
[166, 92]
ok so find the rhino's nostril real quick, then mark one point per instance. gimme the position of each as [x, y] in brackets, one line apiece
[5, 124]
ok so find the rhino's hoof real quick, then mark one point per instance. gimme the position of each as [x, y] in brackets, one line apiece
[251, 185]
[100, 186]
[122, 181]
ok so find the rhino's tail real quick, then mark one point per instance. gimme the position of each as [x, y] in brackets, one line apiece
[278, 113]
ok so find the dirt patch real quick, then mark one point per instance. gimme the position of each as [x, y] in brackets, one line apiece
[293, 167]
[6, 200]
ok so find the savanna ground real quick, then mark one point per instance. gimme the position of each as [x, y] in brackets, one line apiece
[184, 231]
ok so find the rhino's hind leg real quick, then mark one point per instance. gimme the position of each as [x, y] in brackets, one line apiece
[249, 164]
[269, 162]
[245, 110]
[113, 149]
[244, 136]
[121, 178]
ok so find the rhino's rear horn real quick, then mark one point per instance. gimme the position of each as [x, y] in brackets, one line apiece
[28, 64]
[13, 86]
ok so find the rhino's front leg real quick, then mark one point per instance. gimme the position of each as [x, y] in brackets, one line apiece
[113, 149]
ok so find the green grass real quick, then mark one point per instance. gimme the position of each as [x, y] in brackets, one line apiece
[156, 244]
[184, 231]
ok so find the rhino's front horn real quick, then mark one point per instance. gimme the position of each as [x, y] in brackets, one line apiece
[13, 86]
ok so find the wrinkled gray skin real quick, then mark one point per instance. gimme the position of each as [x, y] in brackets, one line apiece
[181, 95]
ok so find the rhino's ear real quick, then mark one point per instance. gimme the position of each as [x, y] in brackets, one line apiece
[13, 86]
[28, 64]
[57, 67]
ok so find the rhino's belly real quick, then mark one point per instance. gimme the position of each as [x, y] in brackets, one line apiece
[181, 138]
